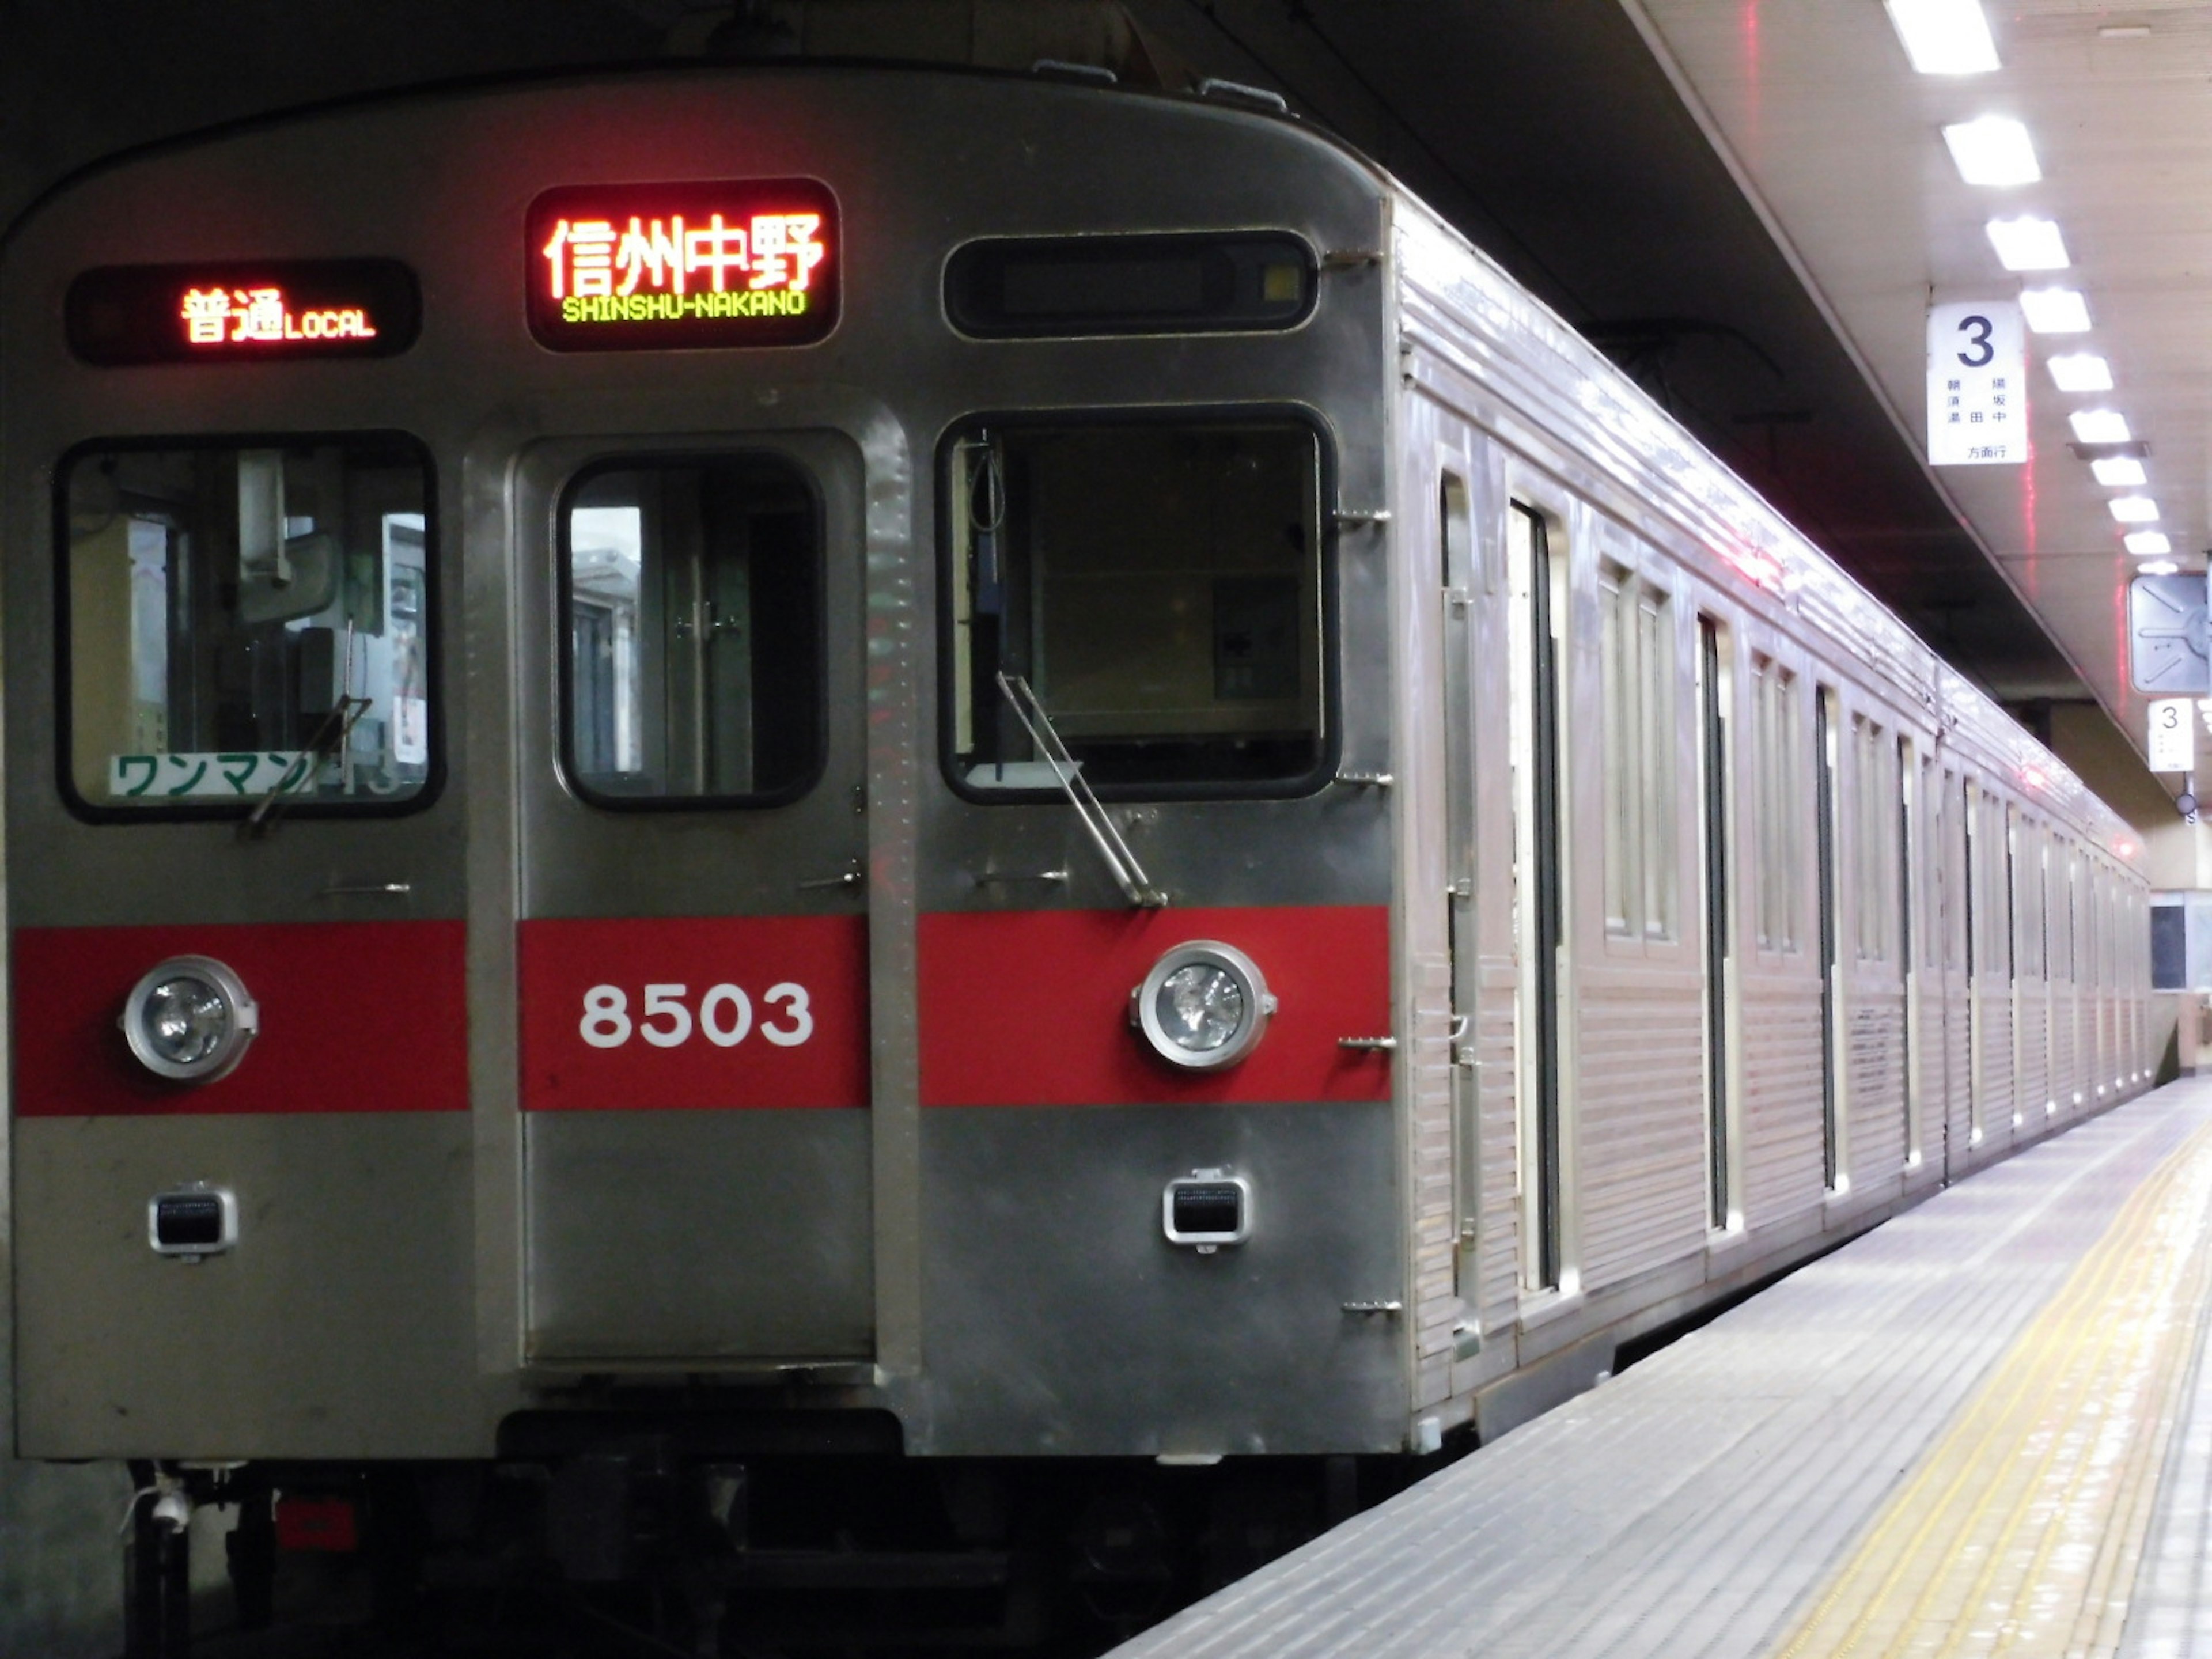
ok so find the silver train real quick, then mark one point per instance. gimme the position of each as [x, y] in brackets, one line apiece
[828, 848]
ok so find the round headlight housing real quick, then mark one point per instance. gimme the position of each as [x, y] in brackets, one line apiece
[1204, 1006]
[190, 1019]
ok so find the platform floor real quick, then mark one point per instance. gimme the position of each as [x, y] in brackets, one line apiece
[1985, 1428]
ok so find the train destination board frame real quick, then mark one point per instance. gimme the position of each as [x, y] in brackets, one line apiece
[241, 311]
[647, 267]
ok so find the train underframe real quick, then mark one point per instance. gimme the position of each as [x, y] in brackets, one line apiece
[722, 1533]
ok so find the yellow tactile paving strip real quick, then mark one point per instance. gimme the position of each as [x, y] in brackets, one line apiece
[2020, 1531]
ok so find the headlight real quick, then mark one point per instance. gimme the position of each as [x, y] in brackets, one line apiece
[190, 1019]
[1204, 1006]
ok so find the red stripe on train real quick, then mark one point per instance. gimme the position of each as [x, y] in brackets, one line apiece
[700, 1013]
[356, 1017]
[1031, 1008]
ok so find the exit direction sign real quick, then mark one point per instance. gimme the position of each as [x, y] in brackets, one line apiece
[2167, 654]
[1976, 384]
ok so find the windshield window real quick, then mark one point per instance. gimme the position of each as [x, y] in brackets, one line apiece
[248, 620]
[692, 589]
[1157, 584]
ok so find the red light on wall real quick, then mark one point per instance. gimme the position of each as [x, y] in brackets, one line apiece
[123, 315]
[651, 267]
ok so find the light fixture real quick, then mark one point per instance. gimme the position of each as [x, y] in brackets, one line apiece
[1204, 1006]
[2055, 310]
[2082, 371]
[2120, 471]
[190, 1019]
[2028, 243]
[1944, 37]
[2147, 543]
[2100, 426]
[2134, 509]
[2158, 567]
[1994, 149]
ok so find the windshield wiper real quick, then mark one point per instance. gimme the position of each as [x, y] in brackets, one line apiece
[1128, 875]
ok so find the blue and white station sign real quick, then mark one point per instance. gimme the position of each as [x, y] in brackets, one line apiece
[1976, 384]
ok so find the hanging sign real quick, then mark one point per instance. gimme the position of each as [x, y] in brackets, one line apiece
[2168, 649]
[2172, 737]
[750, 262]
[1976, 384]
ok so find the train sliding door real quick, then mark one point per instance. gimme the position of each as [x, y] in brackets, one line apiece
[691, 944]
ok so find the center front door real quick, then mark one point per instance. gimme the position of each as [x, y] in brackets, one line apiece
[691, 952]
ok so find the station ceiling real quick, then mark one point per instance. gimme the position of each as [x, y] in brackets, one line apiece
[1747, 203]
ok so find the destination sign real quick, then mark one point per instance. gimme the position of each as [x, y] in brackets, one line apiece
[654, 267]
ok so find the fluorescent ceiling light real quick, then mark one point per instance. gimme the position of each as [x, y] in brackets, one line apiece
[1994, 151]
[2082, 371]
[2120, 472]
[1944, 37]
[2158, 567]
[2148, 544]
[2028, 243]
[2099, 426]
[2134, 509]
[2055, 310]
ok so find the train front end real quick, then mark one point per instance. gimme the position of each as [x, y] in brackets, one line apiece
[696, 823]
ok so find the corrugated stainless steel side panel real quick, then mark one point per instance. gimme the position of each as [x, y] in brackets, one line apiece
[1875, 1059]
[1642, 1119]
[1782, 1060]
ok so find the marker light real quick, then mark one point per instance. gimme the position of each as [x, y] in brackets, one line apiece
[2134, 509]
[2055, 310]
[2120, 472]
[2082, 371]
[1993, 150]
[190, 1019]
[2149, 543]
[2028, 243]
[1944, 37]
[1204, 1006]
[2099, 426]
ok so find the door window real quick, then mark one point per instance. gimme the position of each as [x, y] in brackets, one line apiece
[691, 588]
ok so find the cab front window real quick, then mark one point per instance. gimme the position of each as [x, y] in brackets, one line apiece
[1155, 588]
[244, 621]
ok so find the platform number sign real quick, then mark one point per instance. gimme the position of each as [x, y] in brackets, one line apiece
[1976, 384]
[2172, 738]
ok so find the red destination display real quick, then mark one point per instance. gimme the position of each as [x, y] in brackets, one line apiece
[121, 315]
[750, 262]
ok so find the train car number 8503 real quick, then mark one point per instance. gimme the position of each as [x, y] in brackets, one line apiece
[724, 1016]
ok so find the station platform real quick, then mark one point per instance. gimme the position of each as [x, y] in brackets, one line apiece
[1984, 1428]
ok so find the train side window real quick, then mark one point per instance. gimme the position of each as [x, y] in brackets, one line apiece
[691, 644]
[1157, 587]
[244, 621]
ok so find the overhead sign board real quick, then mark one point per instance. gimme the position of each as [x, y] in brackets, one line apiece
[2167, 651]
[1976, 384]
[2172, 746]
[749, 262]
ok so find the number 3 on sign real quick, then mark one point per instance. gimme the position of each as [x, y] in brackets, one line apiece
[2172, 741]
[725, 1017]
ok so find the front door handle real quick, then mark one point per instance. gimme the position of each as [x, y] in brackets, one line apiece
[853, 876]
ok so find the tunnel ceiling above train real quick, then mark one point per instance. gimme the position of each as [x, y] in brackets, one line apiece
[1746, 203]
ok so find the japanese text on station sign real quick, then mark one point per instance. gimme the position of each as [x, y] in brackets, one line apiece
[1976, 384]
[645, 266]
